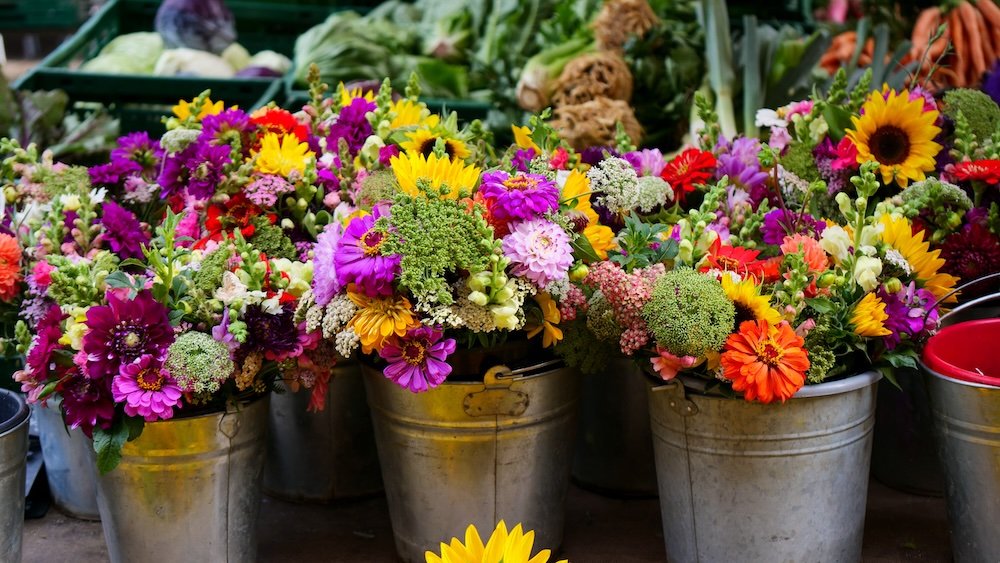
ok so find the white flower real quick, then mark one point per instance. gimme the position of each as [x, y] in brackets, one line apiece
[97, 196]
[866, 272]
[233, 290]
[836, 242]
[768, 118]
[70, 202]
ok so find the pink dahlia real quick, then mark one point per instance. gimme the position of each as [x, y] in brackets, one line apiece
[418, 360]
[146, 389]
[359, 259]
[523, 196]
[539, 250]
[124, 330]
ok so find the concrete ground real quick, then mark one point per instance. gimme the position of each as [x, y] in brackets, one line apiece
[898, 527]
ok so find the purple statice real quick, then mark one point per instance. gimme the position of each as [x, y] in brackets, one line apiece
[358, 258]
[351, 125]
[122, 231]
[325, 284]
[87, 403]
[593, 155]
[146, 389]
[522, 196]
[908, 314]
[122, 331]
[647, 162]
[231, 127]
[207, 166]
[779, 223]
[419, 360]
[275, 335]
[265, 189]
[539, 250]
[739, 161]
[522, 159]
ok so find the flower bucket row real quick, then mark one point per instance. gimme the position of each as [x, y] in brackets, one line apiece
[754, 284]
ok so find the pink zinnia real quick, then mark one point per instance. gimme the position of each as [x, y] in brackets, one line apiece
[418, 360]
[146, 389]
[358, 258]
[539, 250]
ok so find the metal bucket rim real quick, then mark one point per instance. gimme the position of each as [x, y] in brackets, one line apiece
[846, 385]
[19, 418]
[556, 366]
[215, 412]
[961, 382]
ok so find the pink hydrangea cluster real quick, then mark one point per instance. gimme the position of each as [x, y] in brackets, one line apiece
[572, 304]
[626, 293]
[266, 188]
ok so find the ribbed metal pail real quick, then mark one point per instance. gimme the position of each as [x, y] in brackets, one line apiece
[967, 419]
[69, 463]
[614, 447]
[187, 489]
[14, 415]
[476, 453]
[326, 455]
[742, 481]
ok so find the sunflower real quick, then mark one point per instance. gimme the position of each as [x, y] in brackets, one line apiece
[282, 157]
[750, 304]
[408, 113]
[347, 95]
[453, 173]
[513, 547]
[422, 141]
[896, 132]
[378, 318]
[547, 325]
[924, 263]
[765, 362]
[869, 316]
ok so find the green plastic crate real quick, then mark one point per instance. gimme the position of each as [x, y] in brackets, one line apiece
[140, 101]
[25, 15]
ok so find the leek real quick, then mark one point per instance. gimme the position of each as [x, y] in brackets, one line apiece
[719, 53]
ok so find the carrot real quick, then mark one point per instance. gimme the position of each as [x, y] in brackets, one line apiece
[989, 52]
[990, 11]
[976, 40]
[924, 28]
[958, 41]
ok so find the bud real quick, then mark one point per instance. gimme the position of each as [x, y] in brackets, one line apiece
[287, 224]
[579, 272]
[844, 203]
[826, 280]
[893, 285]
[479, 298]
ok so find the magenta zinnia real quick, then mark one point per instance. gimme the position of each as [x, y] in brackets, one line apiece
[539, 250]
[146, 389]
[523, 196]
[359, 258]
[124, 330]
[417, 361]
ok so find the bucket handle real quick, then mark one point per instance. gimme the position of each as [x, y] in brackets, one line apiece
[678, 402]
[497, 398]
[968, 304]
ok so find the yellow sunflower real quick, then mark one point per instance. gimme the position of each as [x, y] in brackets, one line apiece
[750, 304]
[897, 133]
[502, 547]
[407, 113]
[422, 141]
[547, 325]
[183, 109]
[378, 318]
[869, 316]
[282, 156]
[923, 262]
[411, 167]
[347, 95]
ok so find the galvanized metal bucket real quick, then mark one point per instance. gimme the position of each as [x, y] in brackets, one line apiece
[69, 464]
[614, 447]
[476, 453]
[188, 489]
[327, 455]
[14, 415]
[742, 481]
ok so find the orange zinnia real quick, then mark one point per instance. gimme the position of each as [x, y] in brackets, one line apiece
[764, 361]
[10, 267]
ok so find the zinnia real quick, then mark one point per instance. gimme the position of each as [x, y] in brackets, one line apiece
[418, 360]
[523, 196]
[765, 362]
[10, 267]
[688, 170]
[146, 389]
[359, 259]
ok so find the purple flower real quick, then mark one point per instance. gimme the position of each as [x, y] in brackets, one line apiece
[739, 161]
[174, 173]
[418, 361]
[593, 155]
[351, 125]
[524, 196]
[522, 158]
[539, 250]
[122, 231]
[124, 330]
[907, 313]
[136, 154]
[991, 84]
[779, 223]
[231, 127]
[386, 153]
[221, 333]
[206, 166]
[265, 189]
[113, 172]
[40, 355]
[837, 177]
[359, 259]
[647, 162]
[87, 404]
[325, 284]
[274, 335]
[146, 389]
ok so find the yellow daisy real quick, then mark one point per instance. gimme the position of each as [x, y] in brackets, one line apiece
[422, 141]
[750, 304]
[282, 156]
[183, 109]
[547, 326]
[897, 133]
[502, 547]
[453, 173]
[923, 262]
[407, 113]
[347, 95]
[378, 318]
[869, 316]
[522, 137]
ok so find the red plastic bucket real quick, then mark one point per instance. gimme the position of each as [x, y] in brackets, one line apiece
[968, 351]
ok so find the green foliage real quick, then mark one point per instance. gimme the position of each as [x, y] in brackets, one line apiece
[199, 362]
[272, 241]
[209, 275]
[799, 160]
[581, 349]
[689, 313]
[108, 443]
[643, 244]
[940, 205]
[979, 109]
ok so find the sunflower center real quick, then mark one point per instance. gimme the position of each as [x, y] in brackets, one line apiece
[371, 242]
[743, 313]
[413, 352]
[520, 183]
[769, 352]
[427, 147]
[150, 379]
[890, 145]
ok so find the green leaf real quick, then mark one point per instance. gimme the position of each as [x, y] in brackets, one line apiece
[108, 445]
[821, 305]
[838, 119]
[135, 426]
[583, 250]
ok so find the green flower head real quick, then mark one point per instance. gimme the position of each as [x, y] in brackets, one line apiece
[199, 363]
[689, 313]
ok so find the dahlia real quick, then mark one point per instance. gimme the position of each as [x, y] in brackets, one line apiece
[418, 361]
[971, 253]
[87, 403]
[122, 231]
[124, 330]
[325, 284]
[539, 250]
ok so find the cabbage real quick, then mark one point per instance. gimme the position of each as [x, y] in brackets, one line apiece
[269, 59]
[237, 56]
[190, 62]
[142, 49]
[115, 63]
[207, 25]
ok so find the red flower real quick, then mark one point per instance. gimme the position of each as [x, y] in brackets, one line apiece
[559, 159]
[687, 170]
[237, 213]
[847, 156]
[280, 122]
[741, 260]
[983, 170]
